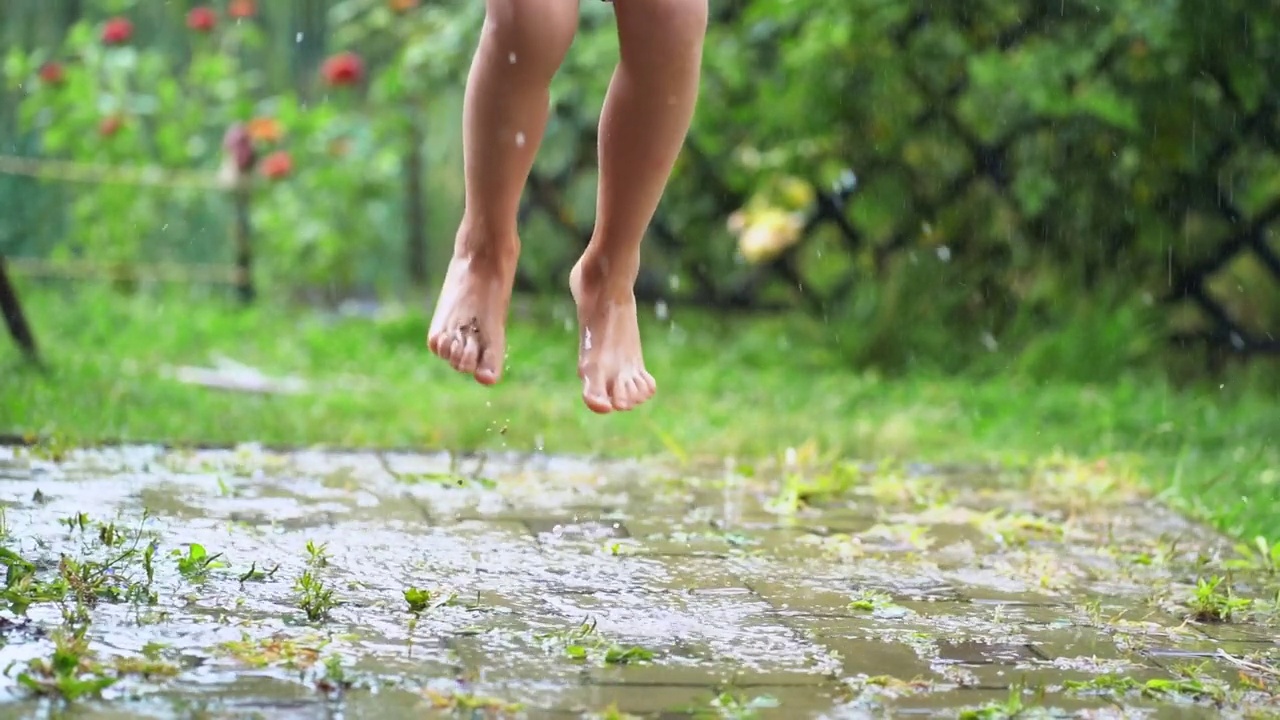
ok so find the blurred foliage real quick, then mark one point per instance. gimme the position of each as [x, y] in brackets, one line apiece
[1023, 166]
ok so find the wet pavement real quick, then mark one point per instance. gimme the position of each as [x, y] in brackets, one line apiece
[243, 583]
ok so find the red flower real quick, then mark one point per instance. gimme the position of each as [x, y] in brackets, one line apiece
[343, 69]
[52, 73]
[402, 6]
[242, 9]
[202, 19]
[117, 31]
[110, 125]
[277, 165]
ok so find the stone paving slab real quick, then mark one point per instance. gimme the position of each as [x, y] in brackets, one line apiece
[548, 587]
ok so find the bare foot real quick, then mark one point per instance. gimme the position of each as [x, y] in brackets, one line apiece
[610, 361]
[469, 327]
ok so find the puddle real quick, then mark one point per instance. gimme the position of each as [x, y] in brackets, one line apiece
[398, 585]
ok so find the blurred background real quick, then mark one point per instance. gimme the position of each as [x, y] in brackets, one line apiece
[1048, 192]
[1020, 167]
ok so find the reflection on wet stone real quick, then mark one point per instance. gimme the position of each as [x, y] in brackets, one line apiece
[550, 587]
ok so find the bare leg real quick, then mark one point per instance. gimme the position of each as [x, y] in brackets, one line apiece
[505, 113]
[646, 116]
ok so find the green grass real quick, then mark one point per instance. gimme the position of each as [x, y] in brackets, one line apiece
[726, 387]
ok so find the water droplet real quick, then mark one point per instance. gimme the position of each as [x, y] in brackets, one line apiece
[586, 339]
[944, 253]
[519, 139]
[511, 58]
[660, 309]
[297, 38]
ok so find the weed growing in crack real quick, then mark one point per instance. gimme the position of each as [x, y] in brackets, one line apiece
[1012, 707]
[314, 599]
[870, 600]
[317, 555]
[253, 574]
[292, 653]
[73, 673]
[469, 705]
[80, 583]
[420, 600]
[730, 705]
[1213, 602]
[1114, 686]
[334, 678]
[69, 674]
[584, 644]
[78, 522]
[197, 563]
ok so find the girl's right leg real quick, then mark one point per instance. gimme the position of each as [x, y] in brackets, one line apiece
[505, 112]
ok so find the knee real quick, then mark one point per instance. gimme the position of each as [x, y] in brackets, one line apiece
[672, 28]
[535, 33]
[684, 17]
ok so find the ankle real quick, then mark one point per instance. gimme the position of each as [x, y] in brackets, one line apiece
[614, 272]
[479, 243]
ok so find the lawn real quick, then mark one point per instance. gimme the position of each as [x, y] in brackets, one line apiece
[727, 387]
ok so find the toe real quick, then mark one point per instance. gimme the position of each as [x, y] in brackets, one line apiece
[436, 342]
[456, 347]
[444, 348]
[648, 384]
[594, 392]
[489, 365]
[624, 394]
[470, 355]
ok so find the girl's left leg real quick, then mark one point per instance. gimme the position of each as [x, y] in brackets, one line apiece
[646, 117]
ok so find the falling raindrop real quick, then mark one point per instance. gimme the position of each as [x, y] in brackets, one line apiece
[660, 309]
[519, 139]
[944, 253]
[511, 58]
[297, 38]
[677, 335]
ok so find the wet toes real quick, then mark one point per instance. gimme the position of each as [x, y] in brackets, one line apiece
[456, 347]
[595, 393]
[470, 356]
[441, 345]
[624, 394]
[648, 384]
[489, 365]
